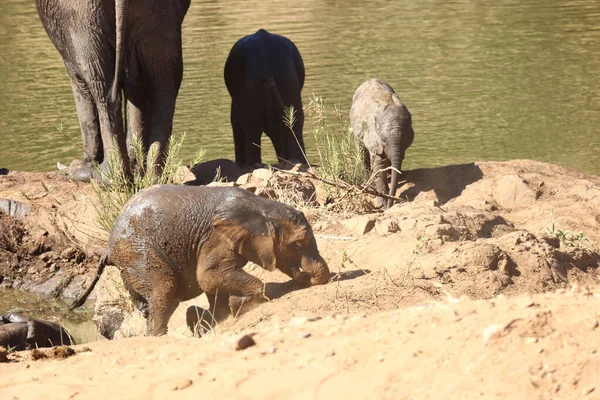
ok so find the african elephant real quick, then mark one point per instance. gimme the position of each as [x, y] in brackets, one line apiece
[171, 243]
[382, 125]
[264, 75]
[20, 332]
[114, 47]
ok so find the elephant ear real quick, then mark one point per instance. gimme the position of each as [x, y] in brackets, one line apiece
[246, 230]
[372, 138]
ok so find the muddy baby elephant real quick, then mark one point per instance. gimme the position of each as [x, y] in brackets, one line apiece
[172, 243]
[382, 125]
[20, 332]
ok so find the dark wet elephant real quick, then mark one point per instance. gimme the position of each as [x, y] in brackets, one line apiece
[115, 47]
[383, 127]
[20, 332]
[171, 243]
[264, 75]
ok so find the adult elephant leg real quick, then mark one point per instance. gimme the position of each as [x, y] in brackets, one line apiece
[160, 134]
[253, 149]
[239, 137]
[90, 128]
[153, 95]
[276, 133]
[113, 136]
[96, 69]
[137, 109]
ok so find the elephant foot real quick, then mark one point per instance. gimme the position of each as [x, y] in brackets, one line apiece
[379, 202]
[81, 171]
[105, 176]
[102, 174]
[239, 305]
[199, 321]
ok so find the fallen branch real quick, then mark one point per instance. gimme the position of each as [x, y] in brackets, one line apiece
[346, 186]
[334, 237]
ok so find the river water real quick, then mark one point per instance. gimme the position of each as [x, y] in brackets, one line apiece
[483, 80]
[78, 323]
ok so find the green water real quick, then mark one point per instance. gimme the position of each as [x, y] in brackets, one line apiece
[78, 323]
[483, 80]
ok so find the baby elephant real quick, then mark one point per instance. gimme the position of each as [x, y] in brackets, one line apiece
[383, 126]
[171, 243]
[264, 74]
[20, 332]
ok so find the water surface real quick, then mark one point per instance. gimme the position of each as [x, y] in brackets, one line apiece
[483, 80]
[78, 323]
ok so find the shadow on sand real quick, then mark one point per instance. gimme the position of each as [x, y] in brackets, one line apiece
[447, 182]
[229, 171]
[276, 290]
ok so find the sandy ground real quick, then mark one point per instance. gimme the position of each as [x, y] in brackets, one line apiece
[543, 346]
[463, 291]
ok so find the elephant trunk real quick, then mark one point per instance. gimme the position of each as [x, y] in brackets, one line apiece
[396, 156]
[120, 18]
[317, 269]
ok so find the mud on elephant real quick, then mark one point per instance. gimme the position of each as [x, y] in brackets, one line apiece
[114, 47]
[264, 74]
[382, 125]
[20, 332]
[172, 243]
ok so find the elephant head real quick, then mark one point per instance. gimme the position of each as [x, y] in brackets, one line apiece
[272, 235]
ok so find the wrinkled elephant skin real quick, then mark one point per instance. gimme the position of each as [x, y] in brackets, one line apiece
[382, 125]
[20, 332]
[172, 243]
[114, 47]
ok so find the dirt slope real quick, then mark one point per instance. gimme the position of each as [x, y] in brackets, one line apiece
[544, 346]
[411, 294]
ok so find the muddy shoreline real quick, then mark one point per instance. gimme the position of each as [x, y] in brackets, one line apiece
[487, 273]
[50, 242]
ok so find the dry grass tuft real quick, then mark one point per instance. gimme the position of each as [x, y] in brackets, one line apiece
[112, 197]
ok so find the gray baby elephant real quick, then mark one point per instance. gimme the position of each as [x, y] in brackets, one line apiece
[383, 126]
[171, 243]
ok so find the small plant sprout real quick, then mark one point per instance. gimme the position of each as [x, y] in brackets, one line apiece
[566, 238]
[289, 119]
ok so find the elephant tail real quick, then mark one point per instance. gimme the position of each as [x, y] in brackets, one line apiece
[120, 18]
[83, 297]
[276, 102]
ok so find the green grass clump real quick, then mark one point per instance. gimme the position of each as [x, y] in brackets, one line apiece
[113, 196]
[340, 159]
[566, 238]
